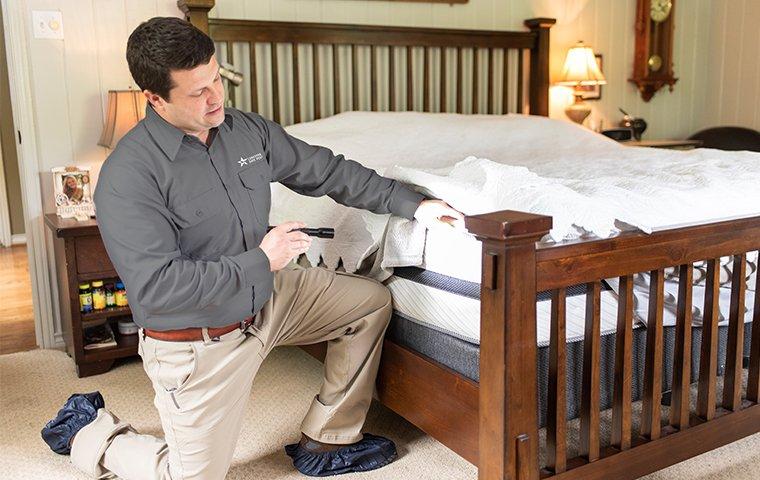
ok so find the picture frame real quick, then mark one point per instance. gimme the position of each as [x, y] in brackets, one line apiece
[72, 187]
[592, 92]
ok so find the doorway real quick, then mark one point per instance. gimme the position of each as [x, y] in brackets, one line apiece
[16, 307]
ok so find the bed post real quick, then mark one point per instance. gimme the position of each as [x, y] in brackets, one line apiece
[538, 94]
[196, 12]
[508, 407]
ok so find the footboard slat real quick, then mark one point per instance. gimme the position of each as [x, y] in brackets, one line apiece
[732, 385]
[709, 352]
[621, 402]
[679, 411]
[556, 426]
[650, 413]
[589, 433]
[753, 382]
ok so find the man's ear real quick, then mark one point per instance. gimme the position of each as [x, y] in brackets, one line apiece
[154, 99]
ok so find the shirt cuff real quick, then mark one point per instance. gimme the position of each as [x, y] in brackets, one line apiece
[405, 201]
[255, 265]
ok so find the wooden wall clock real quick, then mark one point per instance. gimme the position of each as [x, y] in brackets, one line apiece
[653, 58]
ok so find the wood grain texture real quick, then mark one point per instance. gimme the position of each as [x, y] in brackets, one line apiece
[652, 396]
[16, 311]
[556, 421]
[621, 400]
[753, 374]
[589, 431]
[732, 380]
[708, 359]
[680, 403]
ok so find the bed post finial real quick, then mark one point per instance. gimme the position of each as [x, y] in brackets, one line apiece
[508, 404]
[538, 95]
[196, 12]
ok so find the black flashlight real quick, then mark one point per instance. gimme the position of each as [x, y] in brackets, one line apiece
[323, 232]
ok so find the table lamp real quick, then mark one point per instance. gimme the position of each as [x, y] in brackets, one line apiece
[580, 69]
[125, 109]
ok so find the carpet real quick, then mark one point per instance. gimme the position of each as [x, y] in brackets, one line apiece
[34, 384]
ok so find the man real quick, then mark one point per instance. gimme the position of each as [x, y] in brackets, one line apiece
[183, 207]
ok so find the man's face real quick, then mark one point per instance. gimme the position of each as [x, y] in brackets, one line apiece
[196, 103]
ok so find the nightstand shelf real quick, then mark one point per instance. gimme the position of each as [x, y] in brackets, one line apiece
[80, 256]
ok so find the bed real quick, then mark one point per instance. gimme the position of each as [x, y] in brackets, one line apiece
[546, 350]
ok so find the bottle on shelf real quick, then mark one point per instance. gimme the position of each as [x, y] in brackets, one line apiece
[98, 295]
[110, 296]
[85, 298]
[121, 295]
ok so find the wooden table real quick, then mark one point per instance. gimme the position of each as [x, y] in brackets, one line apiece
[80, 256]
[672, 144]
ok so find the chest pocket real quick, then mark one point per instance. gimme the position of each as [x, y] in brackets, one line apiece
[256, 183]
[199, 222]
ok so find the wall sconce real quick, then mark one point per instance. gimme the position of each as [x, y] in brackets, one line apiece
[580, 69]
[125, 109]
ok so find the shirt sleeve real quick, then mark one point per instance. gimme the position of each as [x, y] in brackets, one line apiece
[315, 171]
[143, 244]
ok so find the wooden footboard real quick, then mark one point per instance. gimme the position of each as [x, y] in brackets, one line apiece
[514, 270]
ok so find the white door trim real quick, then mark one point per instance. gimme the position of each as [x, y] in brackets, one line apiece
[41, 271]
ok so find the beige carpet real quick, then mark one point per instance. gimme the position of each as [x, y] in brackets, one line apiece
[33, 385]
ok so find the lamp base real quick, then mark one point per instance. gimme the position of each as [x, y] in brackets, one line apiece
[578, 111]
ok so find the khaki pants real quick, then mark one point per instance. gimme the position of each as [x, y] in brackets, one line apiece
[201, 388]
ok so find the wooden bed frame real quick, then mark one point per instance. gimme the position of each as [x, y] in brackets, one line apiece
[494, 423]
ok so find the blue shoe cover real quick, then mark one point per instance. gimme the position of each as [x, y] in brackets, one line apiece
[79, 410]
[369, 453]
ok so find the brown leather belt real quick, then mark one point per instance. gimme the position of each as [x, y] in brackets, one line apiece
[195, 333]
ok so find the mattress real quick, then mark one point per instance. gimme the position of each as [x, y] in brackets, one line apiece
[433, 315]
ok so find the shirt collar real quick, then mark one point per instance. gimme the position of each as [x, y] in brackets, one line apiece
[167, 136]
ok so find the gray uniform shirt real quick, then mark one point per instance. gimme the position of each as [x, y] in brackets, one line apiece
[182, 222]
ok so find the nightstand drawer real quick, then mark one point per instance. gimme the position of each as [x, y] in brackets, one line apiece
[91, 255]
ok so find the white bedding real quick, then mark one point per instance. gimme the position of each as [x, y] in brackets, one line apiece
[516, 162]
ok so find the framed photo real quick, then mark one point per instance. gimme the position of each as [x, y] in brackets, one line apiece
[73, 192]
[592, 92]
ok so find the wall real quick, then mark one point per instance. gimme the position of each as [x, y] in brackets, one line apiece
[606, 25]
[733, 56]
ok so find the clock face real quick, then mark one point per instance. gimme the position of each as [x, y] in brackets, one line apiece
[659, 10]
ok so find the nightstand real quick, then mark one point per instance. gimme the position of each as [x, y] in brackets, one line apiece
[671, 144]
[80, 256]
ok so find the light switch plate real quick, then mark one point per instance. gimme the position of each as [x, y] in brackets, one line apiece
[47, 24]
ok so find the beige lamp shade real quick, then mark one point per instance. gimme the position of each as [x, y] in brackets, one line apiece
[125, 109]
[581, 68]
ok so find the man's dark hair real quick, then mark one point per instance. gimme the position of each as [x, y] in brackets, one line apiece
[163, 44]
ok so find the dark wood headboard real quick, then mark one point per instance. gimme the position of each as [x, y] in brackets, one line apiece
[299, 66]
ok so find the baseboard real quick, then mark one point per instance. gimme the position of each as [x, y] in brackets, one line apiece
[18, 239]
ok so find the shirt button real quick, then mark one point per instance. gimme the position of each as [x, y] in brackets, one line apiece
[199, 213]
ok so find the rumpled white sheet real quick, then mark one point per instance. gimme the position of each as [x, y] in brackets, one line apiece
[596, 179]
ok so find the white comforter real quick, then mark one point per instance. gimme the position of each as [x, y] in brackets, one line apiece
[481, 163]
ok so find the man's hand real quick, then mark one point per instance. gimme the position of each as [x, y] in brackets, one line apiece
[281, 245]
[437, 213]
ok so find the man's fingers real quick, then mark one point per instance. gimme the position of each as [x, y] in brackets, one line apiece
[298, 236]
[292, 225]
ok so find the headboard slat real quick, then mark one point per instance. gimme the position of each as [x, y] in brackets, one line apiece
[409, 79]
[505, 83]
[336, 79]
[489, 87]
[443, 107]
[355, 77]
[475, 80]
[425, 81]
[460, 85]
[275, 84]
[392, 77]
[231, 60]
[296, 87]
[373, 78]
[253, 74]
[315, 80]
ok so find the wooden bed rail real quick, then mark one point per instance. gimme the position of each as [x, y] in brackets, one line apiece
[514, 270]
